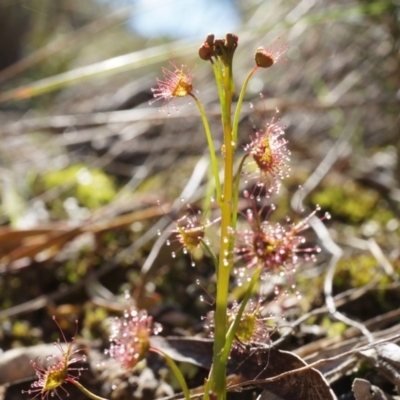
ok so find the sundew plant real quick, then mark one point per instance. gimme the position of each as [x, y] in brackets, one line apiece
[254, 249]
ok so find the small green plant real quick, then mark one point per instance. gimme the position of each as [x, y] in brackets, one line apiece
[255, 249]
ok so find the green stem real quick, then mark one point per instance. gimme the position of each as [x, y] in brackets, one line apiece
[175, 370]
[218, 375]
[210, 142]
[240, 102]
[211, 253]
[235, 200]
[216, 66]
[232, 329]
[85, 391]
[236, 191]
[207, 386]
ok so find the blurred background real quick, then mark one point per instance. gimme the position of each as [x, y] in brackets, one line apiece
[85, 158]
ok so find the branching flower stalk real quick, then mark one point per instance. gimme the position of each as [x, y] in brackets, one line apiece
[220, 53]
[210, 143]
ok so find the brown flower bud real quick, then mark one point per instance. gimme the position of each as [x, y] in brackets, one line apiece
[206, 50]
[231, 42]
[210, 40]
[219, 45]
[205, 53]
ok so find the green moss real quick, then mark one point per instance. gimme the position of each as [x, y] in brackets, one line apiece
[349, 202]
[91, 186]
[355, 271]
[95, 322]
[73, 271]
[382, 214]
[333, 328]
[20, 329]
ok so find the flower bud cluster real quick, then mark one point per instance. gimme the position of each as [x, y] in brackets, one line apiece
[223, 49]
